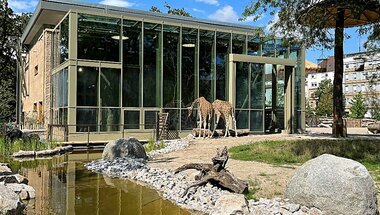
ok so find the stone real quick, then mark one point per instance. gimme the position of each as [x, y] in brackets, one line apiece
[334, 185]
[5, 170]
[21, 154]
[48, 152]
[25, 192]
[374, 127]
[14, 178]
[10, 202]
[231, 204]
[122, 148]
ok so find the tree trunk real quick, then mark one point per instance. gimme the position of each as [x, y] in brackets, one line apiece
[338, 76]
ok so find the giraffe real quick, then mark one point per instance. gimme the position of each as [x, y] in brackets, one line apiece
[204, 113]
[225, 110]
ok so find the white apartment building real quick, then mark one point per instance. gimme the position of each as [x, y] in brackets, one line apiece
[359, 69]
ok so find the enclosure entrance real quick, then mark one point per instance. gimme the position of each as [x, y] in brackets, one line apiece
[262, 90]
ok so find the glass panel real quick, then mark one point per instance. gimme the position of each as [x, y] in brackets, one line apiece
[188, 122]
[257, 121]
[242, 119]
[222, 51]
[64, 40]
[280, 86]
[238, 44]
[189, 42]
[254, 45]
[206, 62]
[87, 86]
[87, 119]
[131, 63]
[62, 118]
[294, 52]
[152, 62]
[110, 87]
[171, 66]
[268, 48]
[268, 85]
[60, 88]
[257, 94]
[98, 37]
[150, 119]
[281, 49]
[131, 119]
[110, 119]
[173, 120]
[242, 85]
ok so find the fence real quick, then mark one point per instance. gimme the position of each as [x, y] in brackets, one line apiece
[328, 121]
[100, 133]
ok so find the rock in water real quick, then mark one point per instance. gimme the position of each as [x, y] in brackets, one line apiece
[121, 148]
[10, 202]
[231, 204]
[374, 127]
[335, 185]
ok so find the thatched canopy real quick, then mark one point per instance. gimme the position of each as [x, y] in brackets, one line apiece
[356, 12]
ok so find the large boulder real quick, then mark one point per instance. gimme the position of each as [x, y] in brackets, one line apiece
[335, 185]
[121, 148]
[228, 204]
[10, 202]
[374, 127]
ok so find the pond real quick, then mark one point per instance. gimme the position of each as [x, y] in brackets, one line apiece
[64, 186]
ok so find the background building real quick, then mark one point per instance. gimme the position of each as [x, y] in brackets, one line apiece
[361, 74]
[109, 70]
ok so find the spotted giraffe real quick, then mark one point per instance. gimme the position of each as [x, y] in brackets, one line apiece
[225, 110]
[204, 113]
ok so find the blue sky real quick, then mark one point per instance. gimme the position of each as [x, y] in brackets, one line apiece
[220, 10]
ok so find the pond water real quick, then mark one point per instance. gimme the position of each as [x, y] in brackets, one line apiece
[64, 186]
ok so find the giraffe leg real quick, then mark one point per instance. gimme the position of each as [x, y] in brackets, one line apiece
[234, 122]
[204, 126]
[227, 127]
[209, 125]
[216, 124]
[200, 126]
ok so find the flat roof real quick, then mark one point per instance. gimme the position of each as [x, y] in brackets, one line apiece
[50, 12]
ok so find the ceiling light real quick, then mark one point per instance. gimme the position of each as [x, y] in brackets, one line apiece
[117, 37]
[188, 45]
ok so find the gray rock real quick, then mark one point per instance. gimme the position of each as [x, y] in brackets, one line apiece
[10, 202]
[374, 127]
[122, 148]
[48, 152]
[14, 178]
[5, 170]
[334, 185]
[231, 204]
[26, 192]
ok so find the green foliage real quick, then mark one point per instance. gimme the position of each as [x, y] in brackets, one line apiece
[170, 10]
[7, 148]
[310, 26]
[324, 98]
[358, 108]
[11, 29]
[373, 98]
[152, 145]
[253, 188]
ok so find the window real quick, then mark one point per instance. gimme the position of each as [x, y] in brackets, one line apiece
[36, 70]
[87, 86]
[99, 38]
[314, 84]
[354, 87]
[354, 76]
[312, 76]
[222, 50]
[35, 107]
[206, 62]
[346, 88]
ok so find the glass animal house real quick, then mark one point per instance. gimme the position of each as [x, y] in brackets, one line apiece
[114, 72]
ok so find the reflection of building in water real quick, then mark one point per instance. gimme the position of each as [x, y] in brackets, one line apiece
[64, 186]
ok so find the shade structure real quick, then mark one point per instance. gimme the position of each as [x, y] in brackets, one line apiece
[367, 12]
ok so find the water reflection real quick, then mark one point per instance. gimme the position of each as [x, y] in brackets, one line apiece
[64, 186]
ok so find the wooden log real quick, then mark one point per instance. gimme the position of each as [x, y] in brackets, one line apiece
[216, 174]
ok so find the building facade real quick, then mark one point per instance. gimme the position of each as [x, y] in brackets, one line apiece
[112, 69]
[361, 74]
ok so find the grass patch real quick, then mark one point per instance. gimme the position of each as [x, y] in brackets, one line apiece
[7, 148]
[253, 187]
[296, 152]
[151, 145]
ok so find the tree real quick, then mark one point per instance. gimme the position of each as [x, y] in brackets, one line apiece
[11, 29]
[170, 10]
[308, 22]
[324, 106]
[358, 108]
[373, 97]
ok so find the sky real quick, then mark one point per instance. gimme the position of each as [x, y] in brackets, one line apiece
[219, 10]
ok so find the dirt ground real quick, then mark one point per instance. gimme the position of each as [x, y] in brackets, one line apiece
[267, 179]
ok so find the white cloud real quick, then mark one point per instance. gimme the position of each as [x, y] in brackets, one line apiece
[198, 11]
[212, 2]
[274, 20]
[22, 5]
[118, 3]
[225, 14]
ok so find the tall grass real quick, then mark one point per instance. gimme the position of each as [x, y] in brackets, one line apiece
[7, 148]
